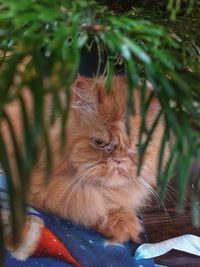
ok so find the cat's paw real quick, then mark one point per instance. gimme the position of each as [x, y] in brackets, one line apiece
[122, 226]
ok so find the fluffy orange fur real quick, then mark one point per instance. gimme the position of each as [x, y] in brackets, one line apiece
[95, 184]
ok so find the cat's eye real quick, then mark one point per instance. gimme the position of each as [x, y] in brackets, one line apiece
[99, 142]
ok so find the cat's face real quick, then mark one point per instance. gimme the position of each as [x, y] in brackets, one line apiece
[99, 148]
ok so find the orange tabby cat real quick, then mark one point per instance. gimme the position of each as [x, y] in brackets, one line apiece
[95, 184]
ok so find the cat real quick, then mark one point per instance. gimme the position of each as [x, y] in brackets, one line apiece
[95, 183]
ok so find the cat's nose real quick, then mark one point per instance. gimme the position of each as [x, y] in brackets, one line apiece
[117, 161]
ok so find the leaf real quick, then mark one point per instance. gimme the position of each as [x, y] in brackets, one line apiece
[82, 39]
[28, 139]
[2, 245]
[143, 147]
[168, 171]
[163, 145]
[7, 77]
[136, 49]
[183, 167]
[17, 206]
[109, 75]
[15, 145]
[196, 203]
[48, 156]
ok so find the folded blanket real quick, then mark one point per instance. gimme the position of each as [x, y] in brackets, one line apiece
[52, 241]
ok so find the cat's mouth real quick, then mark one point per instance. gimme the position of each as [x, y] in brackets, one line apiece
[116, 178]
[118, 172]
[107, 174]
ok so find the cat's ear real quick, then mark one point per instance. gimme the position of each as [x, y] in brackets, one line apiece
[83, 95]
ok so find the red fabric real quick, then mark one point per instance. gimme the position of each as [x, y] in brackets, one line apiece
[49, 245]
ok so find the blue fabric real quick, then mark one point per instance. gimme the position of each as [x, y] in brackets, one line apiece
[88, 247]
[34, 262]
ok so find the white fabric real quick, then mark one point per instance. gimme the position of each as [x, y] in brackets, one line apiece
[187, 243]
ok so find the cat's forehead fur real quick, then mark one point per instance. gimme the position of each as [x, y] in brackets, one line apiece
[91, 99]
[101, 115]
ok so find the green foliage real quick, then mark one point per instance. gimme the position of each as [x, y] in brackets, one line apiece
[40, 43]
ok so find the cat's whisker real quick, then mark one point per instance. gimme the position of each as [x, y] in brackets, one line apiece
[92, 184]
[74, 181]
[80, 180]
[94, 164]
[75, 189]
[171, 196]
[155, 194]
[149, 188]
[74, 185]
[132, 151]
[70, 189]
[172, 193]
[172, 189]
[101, 183]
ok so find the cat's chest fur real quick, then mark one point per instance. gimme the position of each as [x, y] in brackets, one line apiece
[88, 205]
